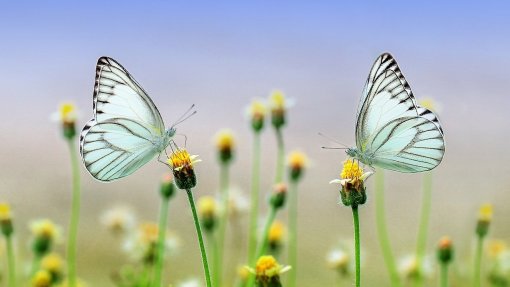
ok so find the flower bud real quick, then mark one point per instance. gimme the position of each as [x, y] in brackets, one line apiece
[445, 250]
[277, 199]
[167, 187]
[182, 164]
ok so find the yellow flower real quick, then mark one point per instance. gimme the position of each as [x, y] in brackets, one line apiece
[182, 164]
[297, 162]
[257, 112]
[207, 206]
[225, 143]
[67, 114]
[225, 139]
[142, 244]
[496, 247]
[276, 233]
[268, 269]
[119, 220]
[485, 213]
[41, 279]
[279, 105]
[351, 170]
[45, 228]
[277, 100]
[430, 104]
[5, 211]
[53, 263]
[352, 179]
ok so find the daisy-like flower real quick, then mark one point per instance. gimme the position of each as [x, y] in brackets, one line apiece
[45, 234]
[119, 220]
[53, 263]
[279, 105]
[267, 271]
[238, 203]
[67, 115]
[257, 113]
[6, 219]
[208, 212]
[352, 180]
[42, 278]
[182, 166]
[408, 267]
[297, 163]
[225, 144]
[340, 260]
[499, 270]
[143, 245]
[484, 219]
[276, 235]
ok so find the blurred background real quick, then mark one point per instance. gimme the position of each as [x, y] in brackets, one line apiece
[221, 55]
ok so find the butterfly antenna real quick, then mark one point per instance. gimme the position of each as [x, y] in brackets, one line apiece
[187, 114]
[332, 140]
[328, 147]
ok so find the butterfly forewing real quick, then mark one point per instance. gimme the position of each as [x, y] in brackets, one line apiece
[121, 137]
[391, 128]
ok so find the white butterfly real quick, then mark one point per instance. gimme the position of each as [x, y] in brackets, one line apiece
[127, 130]
[392, 131]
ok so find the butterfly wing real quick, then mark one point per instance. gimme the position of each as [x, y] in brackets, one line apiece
[391, 128]
[121, 137]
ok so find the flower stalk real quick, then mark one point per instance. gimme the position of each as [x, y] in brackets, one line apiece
[255, 196]
[382, 231]
[166, 192]
[421, 245]
[75, 214]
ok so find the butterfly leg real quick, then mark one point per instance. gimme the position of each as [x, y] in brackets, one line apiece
[163, 162]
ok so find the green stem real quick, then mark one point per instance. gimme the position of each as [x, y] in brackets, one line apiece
[444, 274]
[163, 221]
[200, 239]
[293, 207]
[382, 232]
[280, 156]
[11, 261]
[75, 215]
[255, 189]
[421, 244]
[224, 177]
[477, 282]
[216, 258]
[35, 265]
[264, 241]
[355, 217]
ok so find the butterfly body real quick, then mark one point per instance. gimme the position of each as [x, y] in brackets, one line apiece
[392, 131]
[127, 130]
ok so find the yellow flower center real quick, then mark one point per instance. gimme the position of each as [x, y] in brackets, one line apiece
[67, 112]
[485, 213]
[277, 99]
[267, 266]
[207, 206]
[257, 109]
[41, 279]
[180, 159]
[44, 228]
[497, 247]
[5, 211]
[428, 103]
[276, 232]
[149, 232]
[351, 170]
[52, 263]
[225, 140]
[297, 160]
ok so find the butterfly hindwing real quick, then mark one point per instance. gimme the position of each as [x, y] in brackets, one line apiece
[391, 128]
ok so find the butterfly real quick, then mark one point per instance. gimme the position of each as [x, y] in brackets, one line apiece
[392, 131]
[127, 130]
